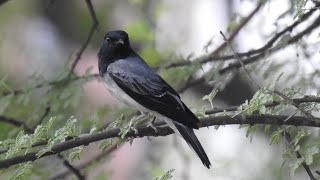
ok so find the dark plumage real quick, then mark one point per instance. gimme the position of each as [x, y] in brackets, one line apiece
[133, 82]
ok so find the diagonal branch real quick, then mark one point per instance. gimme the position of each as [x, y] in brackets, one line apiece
[64, 173]
[238, 59]
[292, 40]
[262, 49]
[48, 84]
[74, 170]
[237, 30]
[286, 98]
[17, 123]
[224, 44]
[304, 164]
[257, 57]
[93, 28]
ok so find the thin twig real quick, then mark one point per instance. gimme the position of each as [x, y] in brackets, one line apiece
[64, 173]
[305, 166]
[223, 45]
[283, 96]
[74, 170]
[238, 59]
[237, 30]
[257, 57]
[45, 114]
[270, 104]
[48, 84]
[93, 28]
[249, 53]
[292, 40]
[17, 123]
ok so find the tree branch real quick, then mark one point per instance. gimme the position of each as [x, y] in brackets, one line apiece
[271, 104]
[163, 130]
[64, 173]
[15, 122]
[292, 40]
[90, 34]
[71, 168]
[2, 2]
[261, 52]
[48, 84]
[262, 49]
[223, 45]
[257, 57]
[305, 166]
[286, 98]
[307, 99]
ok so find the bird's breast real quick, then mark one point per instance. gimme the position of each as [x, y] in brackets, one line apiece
[118, 93]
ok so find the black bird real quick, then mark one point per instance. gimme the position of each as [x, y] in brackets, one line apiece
[129, 78]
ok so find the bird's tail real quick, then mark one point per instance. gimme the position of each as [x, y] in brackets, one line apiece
[189, 136]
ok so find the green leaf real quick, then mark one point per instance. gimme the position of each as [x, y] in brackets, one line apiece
[295, 165]
[21, 141]
[210, 96]
[60, 135]
[298, 7]
[309, 153]
[123, 132]
[200, 113]
[252, 129]
[165, 176]
[300, 134]
[267, 128]
[275, 136]
[75, 154]
[256, 104]
[22, 172]
[105, 144]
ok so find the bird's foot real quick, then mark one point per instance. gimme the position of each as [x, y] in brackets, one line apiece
[134, 129]
[151, 124]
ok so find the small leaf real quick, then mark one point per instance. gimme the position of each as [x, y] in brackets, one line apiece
[310, 152]
[210, 96]
[166, 176]
[75, 154]
[275, 136]
[300, 134]
[23, 170]
[105, 144]
[295, 165]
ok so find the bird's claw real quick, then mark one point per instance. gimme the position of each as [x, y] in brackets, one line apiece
[150, 124]
[135, 130]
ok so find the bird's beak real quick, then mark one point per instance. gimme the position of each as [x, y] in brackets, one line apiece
[120, 41]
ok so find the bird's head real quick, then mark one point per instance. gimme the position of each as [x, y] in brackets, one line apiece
[115, 45]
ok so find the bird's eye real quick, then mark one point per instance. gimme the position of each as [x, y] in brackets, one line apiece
[108, 40]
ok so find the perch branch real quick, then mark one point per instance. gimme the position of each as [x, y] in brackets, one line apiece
[163, 130]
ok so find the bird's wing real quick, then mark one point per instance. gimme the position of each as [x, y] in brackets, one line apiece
[151, 91]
